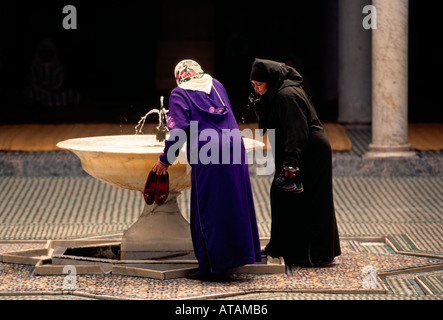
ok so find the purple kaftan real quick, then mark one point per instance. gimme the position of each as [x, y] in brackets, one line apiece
[223, 222]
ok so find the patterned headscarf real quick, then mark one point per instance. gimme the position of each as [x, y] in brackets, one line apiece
[187, 70]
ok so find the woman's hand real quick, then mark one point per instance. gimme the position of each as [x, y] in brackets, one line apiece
[159, 168]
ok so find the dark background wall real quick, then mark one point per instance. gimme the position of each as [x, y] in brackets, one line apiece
[121, 57]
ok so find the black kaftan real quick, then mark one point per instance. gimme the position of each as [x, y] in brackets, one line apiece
[304, 228]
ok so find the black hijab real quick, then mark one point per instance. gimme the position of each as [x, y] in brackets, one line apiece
[278, 76]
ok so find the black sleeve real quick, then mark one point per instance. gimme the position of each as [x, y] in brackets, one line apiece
[292, 116]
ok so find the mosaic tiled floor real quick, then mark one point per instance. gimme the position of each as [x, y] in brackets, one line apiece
[69, 207]
[366, 267]
[48, 196]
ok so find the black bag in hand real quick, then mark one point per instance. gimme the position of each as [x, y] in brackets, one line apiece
[289, 180]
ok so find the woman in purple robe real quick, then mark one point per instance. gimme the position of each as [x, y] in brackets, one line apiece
[223, 222]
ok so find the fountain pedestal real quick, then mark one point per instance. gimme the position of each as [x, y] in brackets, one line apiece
[160, 231]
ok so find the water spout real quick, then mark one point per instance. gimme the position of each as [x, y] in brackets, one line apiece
[161, 130]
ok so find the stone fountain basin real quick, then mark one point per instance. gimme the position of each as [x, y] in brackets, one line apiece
[125, 160]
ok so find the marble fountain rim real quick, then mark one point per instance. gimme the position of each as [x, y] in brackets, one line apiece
[152, 146]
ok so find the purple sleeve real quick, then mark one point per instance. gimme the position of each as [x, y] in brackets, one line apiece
[178, 123]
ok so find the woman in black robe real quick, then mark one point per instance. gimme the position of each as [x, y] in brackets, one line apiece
[304, 228]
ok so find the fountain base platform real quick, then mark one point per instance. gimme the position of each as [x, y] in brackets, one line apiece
[103, 256]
